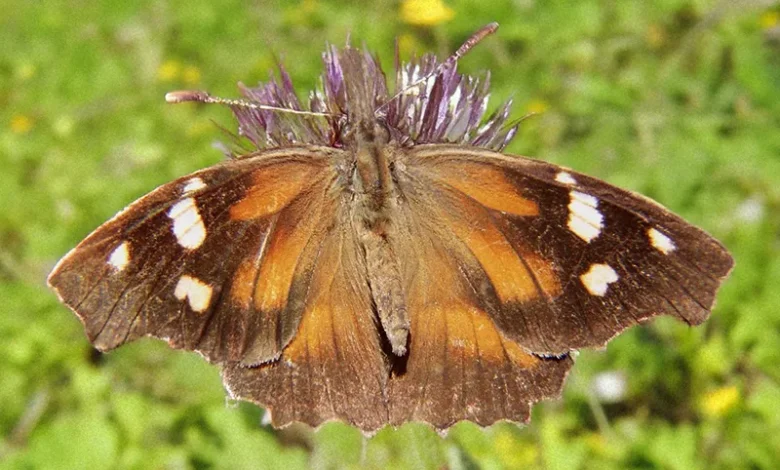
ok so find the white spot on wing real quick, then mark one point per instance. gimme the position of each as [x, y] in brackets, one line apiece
[660, 241]
[598, 278]
[120, 257]
[193, 184]
[585, 220]
[195, 291]
[565, 178]
[187, 224]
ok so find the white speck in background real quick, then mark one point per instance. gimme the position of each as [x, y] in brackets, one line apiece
[609, 387]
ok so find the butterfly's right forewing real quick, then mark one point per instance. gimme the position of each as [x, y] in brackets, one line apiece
[561, 260]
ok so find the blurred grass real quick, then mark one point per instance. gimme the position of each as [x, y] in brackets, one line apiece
[677, 99]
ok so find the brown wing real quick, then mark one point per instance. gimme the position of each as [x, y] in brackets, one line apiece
[460, 366]
[216, 262]
[559, 260]
[334, 368]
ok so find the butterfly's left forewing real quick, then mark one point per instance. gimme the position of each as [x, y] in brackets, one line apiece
[216, 261]
[564, 261]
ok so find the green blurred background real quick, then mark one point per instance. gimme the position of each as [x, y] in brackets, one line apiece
[677, 99]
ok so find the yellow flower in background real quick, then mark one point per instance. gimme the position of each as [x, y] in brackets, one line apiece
[191, 75]
[718, 402]
[537, 106]
[21, 124]
[769, 19]
[655, 35]
[596, 442]
[169, 70]
[172, 70]
[25, 71]
[425, 12]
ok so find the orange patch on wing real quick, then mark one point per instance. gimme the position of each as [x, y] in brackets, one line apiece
[487, 337]
[543, 270]
[273, 187]
[279, 262]
[511, 278]
[244, 283]
[488, 185]
[471, 333]
[330, 325]
[468, 331]
[519, 356]
[316, 334]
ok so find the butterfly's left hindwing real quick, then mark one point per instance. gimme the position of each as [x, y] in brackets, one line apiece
[214, 262]
[334, 367]
[562, 261]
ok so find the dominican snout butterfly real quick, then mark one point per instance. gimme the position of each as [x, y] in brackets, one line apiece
[376, 258]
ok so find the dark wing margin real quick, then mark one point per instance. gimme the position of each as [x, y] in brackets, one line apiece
[214, 262]
[565, 261]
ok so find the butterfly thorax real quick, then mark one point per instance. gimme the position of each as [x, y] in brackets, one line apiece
[370, 145]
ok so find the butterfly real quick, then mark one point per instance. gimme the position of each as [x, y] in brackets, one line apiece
[375, 258]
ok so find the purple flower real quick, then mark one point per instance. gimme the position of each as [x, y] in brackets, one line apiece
[430, 103]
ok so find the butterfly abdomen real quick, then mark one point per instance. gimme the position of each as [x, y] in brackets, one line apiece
[384, 280]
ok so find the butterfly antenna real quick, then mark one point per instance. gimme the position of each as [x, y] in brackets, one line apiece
[198, 96]
[519, 120]
[472, 41]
